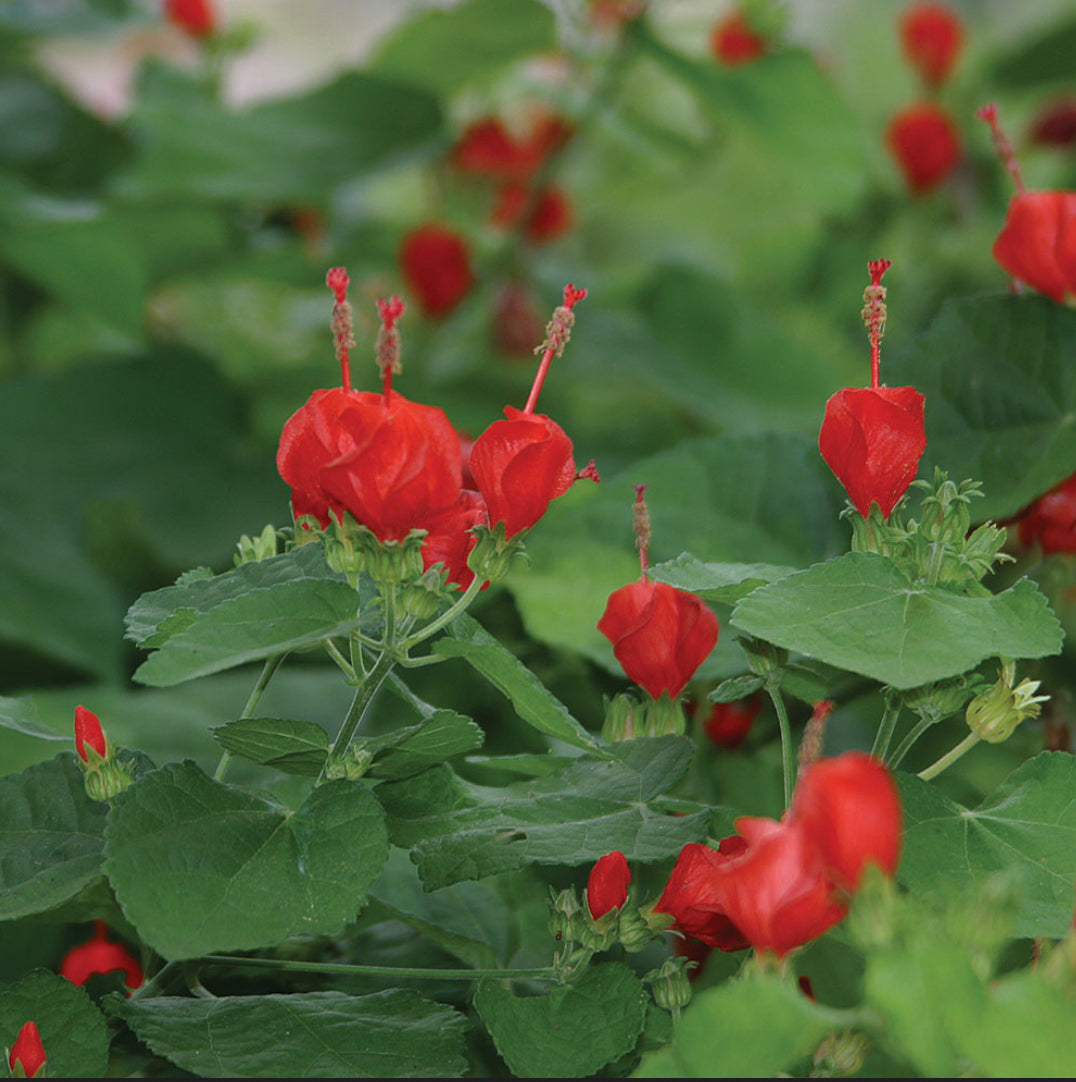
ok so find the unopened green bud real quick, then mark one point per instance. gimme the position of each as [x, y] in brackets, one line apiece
[634, 930]
[107, 779]
[763, 658]
[841, 1053]
[422, 598]
[938, 700]
[352, 764]
[624, 718]
[994, 714]
[493, 553]
[670, 983]
[255, 549]
[567, 916]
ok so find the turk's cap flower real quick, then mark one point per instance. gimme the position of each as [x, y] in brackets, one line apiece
[735, 40]
[27, 1055]
[100, 955]
[198, 18]
[436, 265]
[90, 741]
[1050, 521]
[873, 438]
[926, 145]
[1037, 243]
[931, 36]
[607, 885]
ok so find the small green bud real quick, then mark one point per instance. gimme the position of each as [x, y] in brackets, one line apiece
[492, 555]
[107, 779]
[940, 699]
[624, 718]
[670, 983]
[422, 598]
[352, 764]
[994, 714]
[841, 1053]
[634, 930]
[763, 658]
[255, 549]
[567, 916]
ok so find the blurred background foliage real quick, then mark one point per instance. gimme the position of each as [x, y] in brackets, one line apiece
[169, 208]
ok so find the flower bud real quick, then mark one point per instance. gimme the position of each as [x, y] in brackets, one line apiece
[842, 1053]
[625, 718]
[422, 598]
[493, 552]
[607, 885]
[994, 714]
[254, 549]
[106, 781]
[763, 658]
[352, 764]
[670, 984]
[90, 741]
[637, 930]
[27, 1055]
[567, 918]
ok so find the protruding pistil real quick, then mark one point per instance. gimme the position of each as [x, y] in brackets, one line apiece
[874, 313]
[343, 324]
[388, 341]
[557, 333]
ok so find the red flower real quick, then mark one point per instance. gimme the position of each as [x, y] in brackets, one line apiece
[1051, 519]
[550, 216]
[100, 955]
[926, 145]
[1037, 244]
[450, 540]
[691, 895]
[607, 885]
[660, 635]
[872, 438]
[520, 466]
[436, 264]
[732, 41]
[850, 809]
[517, 325]
[729, 723]
[486, 148]
[196, 17]
[88, 731]
[1055, 125]
[931, 36]
[27, 1051]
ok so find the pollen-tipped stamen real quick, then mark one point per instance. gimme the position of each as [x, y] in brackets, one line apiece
[388, 341]
[873, 313]
[641, 526]
[557, 333]
[1005, 152]
[343, 324]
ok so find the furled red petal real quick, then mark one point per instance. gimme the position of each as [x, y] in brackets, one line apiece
[436, 264]
[728, 724]
[1051, 520]
[88, 731]
[100, 955]
[1037, 244]
[733, 42]
[660, 635]
[872, 438]
[926, 145]
[450, 540]
[27, 1051]
[520, 465]
[607, 885]
[931, 35]
[850, 809]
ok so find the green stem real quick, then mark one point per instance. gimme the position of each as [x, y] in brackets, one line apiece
[363, 696]
[917, 731]
[446, 617]
[950, 757]
[886, 727]
[344, 969]
[271, 665]
[149, 988]
[336, 654]
[788, 752]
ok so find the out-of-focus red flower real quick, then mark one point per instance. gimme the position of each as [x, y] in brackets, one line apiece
[926, 145]
[27, 1052]
[88, 732]
[1037, 244]
[436, 264]
[931, 35]
[607, 885]
[612, 13]
[728, 724]
[487, 148]
[850, 809]
[1055, 124]
[1050, 521]
[517, 325]
[197, 17]
[550, 216]
[660, 635]
[872, 438]
[692, 894]
[100, 955]
[732, 41]
[520, 465]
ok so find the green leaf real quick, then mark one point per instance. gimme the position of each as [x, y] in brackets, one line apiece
[1001, 405]
[736, 688]
[570, 1032]
[753, 1028]
[51, 838]
[191, 146]
[20, 715]
[1044, 59]
[928, 993]
[468, 43]
[471, 920]
[456, 831]
[72, 1029]
[253, 612]
[199, 866]
[722, 582]
[291, 746]
[467, 639]
[392, 1034]
[858, 612]
[1026, 826]
[1023, 1031]
[408, 751]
